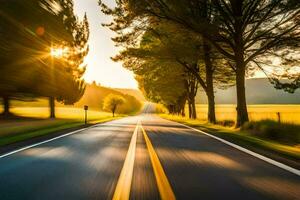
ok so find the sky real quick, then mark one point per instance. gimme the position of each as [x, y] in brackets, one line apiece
[100, 67]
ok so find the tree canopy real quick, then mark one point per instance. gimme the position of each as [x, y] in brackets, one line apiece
[30, 32]
[249, 34]
[112, 102]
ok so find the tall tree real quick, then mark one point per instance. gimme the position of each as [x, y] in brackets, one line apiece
[168, 42]
[65, 84]
[30, 31]
[21, 24]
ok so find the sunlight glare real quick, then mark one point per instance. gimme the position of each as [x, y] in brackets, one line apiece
[58, 52]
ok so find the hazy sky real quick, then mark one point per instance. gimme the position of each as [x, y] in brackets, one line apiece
[100, 67]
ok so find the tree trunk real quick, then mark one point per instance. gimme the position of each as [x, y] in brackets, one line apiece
[183, 112]
[190, 109]
[194, 112]
[242, 113]
[6, 105]
[52, 107]
[114, 110]
[211, 115]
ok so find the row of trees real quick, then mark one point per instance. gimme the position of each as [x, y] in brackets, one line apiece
[207, 42]
[42, 48]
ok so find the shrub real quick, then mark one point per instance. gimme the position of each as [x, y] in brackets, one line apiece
[280, 132]
[228, 123]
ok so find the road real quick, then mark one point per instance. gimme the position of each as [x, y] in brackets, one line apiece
[141, 157]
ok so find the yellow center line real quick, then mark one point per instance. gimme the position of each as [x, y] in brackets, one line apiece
[164, 187]
[122, 191]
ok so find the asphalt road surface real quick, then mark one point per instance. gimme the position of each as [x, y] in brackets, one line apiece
[141, 157]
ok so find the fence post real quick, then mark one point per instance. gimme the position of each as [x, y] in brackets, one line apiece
[278, 117]
[85, 114]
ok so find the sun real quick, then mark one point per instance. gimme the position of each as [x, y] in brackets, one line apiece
[58, 52]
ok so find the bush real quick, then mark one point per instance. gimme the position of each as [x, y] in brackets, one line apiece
[228, 123]
[280, 132]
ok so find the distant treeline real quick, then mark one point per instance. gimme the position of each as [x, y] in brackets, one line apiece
[258, 91]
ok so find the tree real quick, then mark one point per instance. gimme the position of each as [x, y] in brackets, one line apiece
[171, 91]
[192, 89]
[176, 46]
[67, 70]
[29, 31]
[243, 31]
[20, 47]
[112, 102]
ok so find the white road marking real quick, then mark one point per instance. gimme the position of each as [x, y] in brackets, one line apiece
[46, 141]
[261, 157]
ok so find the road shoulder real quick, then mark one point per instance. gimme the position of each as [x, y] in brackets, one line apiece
[268, 149]
[31, 138]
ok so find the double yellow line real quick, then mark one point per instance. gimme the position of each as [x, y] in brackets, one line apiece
[122, 191]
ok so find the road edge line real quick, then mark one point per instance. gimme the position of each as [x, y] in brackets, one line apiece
[122, 190]
[164, 187]
[40, 143]
[247, 151]
[49, 140]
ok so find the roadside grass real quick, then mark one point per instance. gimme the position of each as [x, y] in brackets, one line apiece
[244, 137]
[33, 122]
[288, 113]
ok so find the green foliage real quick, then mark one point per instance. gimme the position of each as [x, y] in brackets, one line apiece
[249, 34]
[66, 83]
[112, 102]
[29, 30]
[160, 76]
[281, 132]
[169, 48]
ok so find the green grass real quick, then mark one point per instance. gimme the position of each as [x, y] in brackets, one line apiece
[33, 122]
[243, 138]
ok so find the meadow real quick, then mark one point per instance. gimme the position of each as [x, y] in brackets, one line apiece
[71, 113]
[288, 113]
[31, 116]
[33, 122]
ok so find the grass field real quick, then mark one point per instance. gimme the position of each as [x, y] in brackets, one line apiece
[33, 121]
[61, 113]
[288, 113]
